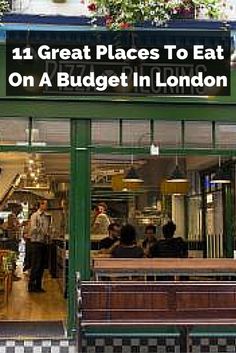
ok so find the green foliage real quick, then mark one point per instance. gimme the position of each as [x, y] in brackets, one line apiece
[125, 13]
[4, 7]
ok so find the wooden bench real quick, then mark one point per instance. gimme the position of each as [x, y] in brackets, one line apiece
[182, 305]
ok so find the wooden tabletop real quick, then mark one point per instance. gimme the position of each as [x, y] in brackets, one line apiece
[175, 266]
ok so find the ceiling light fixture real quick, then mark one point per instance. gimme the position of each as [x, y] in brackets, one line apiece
[220, 176]
[132, 174]
[177, 176]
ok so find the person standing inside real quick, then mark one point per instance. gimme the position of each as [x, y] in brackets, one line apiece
[101, 220]
[39, 232]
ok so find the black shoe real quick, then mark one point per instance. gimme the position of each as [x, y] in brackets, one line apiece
[31, 288]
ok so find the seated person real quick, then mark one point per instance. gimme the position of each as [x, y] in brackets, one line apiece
[169, 246]
[113, 236]
[150, 239]
[127, 246]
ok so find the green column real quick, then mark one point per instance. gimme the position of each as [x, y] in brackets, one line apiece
[79, 243]
[229, 222]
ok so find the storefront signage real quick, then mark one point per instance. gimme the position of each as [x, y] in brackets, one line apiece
[151, 62]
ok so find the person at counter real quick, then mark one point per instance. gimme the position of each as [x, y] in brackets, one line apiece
[150, 239]
[39, 231]
[113, 236]
[101, 220]
[127, 247]
[169, 246]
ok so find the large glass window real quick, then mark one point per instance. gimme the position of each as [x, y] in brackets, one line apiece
[136, 133]
[198, 134]
[105, 132]
[13, 131]
[226, 135]
[48, 132]
[167, 133]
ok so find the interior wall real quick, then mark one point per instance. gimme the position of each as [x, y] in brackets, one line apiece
[178, 214]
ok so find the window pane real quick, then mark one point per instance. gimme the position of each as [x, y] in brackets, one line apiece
[105, 132]
[13, 132]
[167, 133]
[198, 134]
[225, 135]
[136, 133]
[51, 132]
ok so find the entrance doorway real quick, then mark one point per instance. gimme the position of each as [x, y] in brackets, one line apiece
[26, 179]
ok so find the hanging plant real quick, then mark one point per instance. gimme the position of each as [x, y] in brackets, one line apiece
[122, 14]
[4, 7]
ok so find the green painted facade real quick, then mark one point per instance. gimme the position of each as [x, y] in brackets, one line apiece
[81, 111]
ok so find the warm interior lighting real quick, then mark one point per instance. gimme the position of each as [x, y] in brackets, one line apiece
[34, 174]
[174, 188]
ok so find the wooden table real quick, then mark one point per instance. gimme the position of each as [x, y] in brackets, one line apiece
[110, 267]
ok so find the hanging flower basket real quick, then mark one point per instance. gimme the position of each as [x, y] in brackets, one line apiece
[4, 7]
[122, 14]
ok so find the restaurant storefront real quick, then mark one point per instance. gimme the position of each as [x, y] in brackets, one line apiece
[179, 116]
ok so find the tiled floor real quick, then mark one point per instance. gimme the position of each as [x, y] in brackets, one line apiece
[37, 346]
[120, 345]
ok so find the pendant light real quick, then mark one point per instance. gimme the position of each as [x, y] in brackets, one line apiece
[177, 176]
[220, 177]
[132, 174]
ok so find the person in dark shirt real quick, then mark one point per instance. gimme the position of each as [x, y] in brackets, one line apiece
[150, 239]
[127, 247]
[113, 237]
[169, 246]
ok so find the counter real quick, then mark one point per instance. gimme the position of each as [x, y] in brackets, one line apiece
[58, 262]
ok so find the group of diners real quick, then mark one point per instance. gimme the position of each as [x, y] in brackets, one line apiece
[121, 242]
